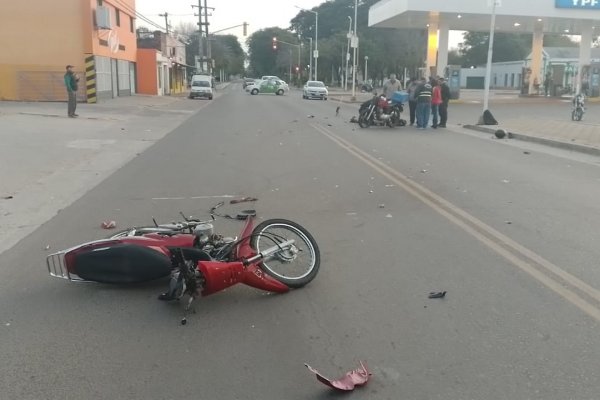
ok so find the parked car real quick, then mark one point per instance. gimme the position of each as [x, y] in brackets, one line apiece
[276, 86]
[315, 90]
[266, 77]
[248, 81]
[202, 86]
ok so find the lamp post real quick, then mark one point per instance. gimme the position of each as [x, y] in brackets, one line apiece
[354, 46]
[316, 52]
[488, 69]
[349, 36]
[366, 74]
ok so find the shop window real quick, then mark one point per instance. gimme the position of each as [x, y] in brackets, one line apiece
[118, 16]
[131, 24]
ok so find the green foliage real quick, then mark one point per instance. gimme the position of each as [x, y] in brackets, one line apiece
[507, 47]
[389, 50]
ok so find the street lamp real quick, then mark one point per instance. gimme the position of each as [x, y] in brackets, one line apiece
[366, 74]
[349, 36]
[316, 52]
[354, 46]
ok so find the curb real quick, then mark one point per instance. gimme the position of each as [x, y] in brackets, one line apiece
[535, 139]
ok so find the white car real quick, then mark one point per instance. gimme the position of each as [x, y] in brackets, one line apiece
[315, 90]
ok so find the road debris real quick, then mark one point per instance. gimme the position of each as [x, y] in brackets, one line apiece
[7, 197]
[437, 295]
[382, 206]
[242, 200]
[526, 152]
[108, 224]
[47, 247]
[310, 116]
[423, 171]
[389, 216]
[505, 181]
[500, 133]
[356, 377]
[354, 120]
[337, 111]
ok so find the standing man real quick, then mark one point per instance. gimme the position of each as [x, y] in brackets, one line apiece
[423, 95]
[436, 101]
[412, 100]
[390, 86]
[443, 109]
[71, 83]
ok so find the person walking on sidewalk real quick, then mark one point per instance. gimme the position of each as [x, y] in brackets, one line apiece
[445, 91]
[423, 96]
[413, 84]
[436, 100]
[71, 83]
[390, 86]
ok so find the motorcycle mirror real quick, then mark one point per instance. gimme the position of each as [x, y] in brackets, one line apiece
[155, 223]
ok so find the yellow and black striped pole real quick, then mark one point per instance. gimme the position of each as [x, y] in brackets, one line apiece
[90, 79]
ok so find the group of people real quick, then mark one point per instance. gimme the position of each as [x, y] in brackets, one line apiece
[427, 99]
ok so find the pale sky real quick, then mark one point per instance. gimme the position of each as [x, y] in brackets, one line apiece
[259, 14]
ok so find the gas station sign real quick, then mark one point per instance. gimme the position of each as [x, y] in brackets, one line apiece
[578, 4]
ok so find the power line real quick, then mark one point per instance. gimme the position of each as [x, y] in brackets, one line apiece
[127, 8]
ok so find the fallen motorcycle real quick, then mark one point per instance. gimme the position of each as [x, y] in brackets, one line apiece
[381, 111]
[274, 256]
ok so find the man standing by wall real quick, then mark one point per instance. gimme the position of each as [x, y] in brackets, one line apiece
[71, 83]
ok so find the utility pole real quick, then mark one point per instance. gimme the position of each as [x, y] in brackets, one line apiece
[166, 15]
[200, 66]
[208, 47]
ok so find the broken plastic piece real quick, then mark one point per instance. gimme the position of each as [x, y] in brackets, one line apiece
[242, 200]
[109, 224]
[437, 295]
[356, 377]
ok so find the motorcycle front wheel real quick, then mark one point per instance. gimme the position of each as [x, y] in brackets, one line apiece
[362, 120]
[295, 265]
[577, 114]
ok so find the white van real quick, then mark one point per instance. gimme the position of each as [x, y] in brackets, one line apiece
[202, 86]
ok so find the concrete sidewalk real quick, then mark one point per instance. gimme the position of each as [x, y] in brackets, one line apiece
[557, 132]
[47, 160]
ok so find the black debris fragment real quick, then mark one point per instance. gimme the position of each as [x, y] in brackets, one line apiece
[437, 295]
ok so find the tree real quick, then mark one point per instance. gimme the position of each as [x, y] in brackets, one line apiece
[507, 47]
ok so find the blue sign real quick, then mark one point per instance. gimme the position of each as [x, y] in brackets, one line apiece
[578, 4]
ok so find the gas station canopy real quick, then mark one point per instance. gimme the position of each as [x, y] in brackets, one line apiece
[518, 16]
[438, 17]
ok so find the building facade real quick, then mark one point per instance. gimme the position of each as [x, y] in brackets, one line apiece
[161, 63]
[97, 37]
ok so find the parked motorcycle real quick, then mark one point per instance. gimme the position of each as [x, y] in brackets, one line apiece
[380, 111]
[578, 107]
[274, 256]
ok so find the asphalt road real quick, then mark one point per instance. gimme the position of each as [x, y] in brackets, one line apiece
[510, 232]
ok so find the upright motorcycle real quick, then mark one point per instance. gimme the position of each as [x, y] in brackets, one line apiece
[275, 255]
[578, 107]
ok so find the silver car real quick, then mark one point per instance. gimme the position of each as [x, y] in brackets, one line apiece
[315, 90]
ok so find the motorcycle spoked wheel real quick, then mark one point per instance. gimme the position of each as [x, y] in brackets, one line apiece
[577, 114]
[295, 266]
[362, 121]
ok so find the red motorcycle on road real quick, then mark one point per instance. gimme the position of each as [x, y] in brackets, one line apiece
[275, 255]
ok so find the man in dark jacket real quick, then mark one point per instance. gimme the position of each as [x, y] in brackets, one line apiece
[443, 109]
[71, 83]
[423, 96]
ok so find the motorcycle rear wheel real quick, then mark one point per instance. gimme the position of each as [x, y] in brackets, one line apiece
[295, 266]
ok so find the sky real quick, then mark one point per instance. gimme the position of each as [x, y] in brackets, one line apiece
[259, 14]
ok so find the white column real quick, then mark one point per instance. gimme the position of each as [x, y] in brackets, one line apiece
[442, 59]
[537, 45]
[585, 49]
[432, 47]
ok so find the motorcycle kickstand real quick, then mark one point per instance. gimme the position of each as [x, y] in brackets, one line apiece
[187, 308]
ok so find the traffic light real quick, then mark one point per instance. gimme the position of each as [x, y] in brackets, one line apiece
[274, 43]
[245, 28]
